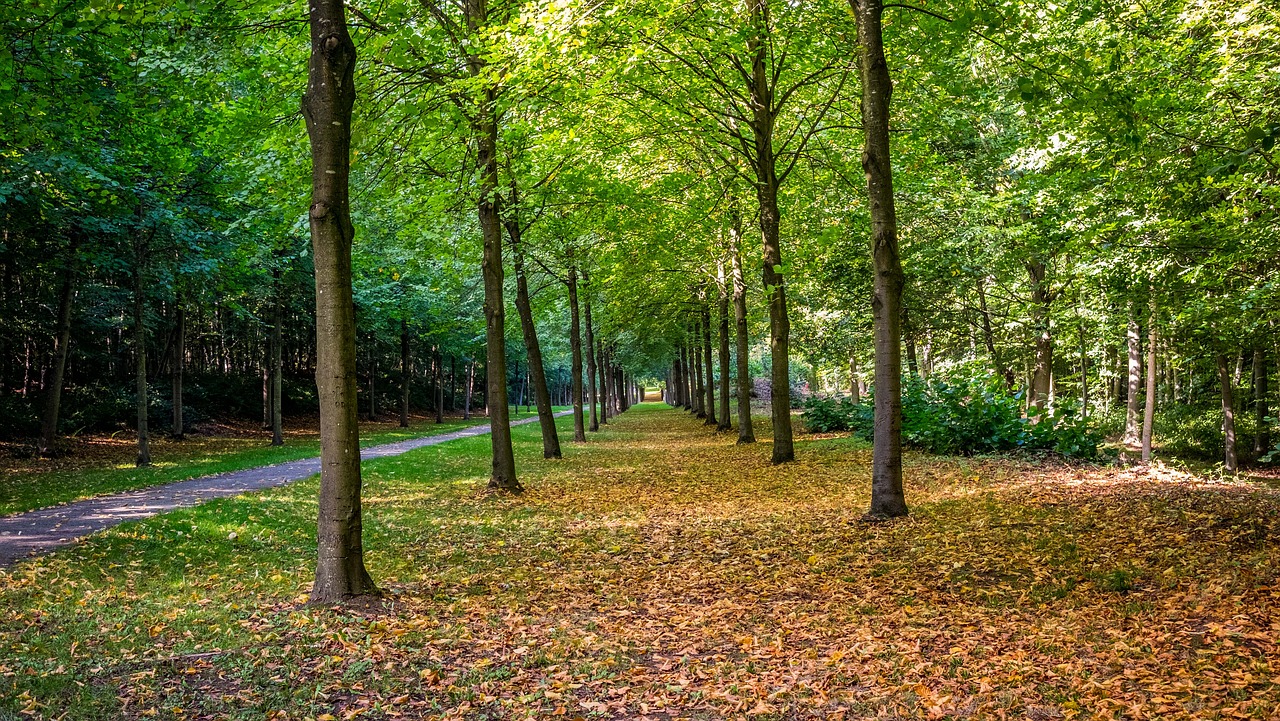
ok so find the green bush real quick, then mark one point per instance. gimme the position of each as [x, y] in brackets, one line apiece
[963, 416]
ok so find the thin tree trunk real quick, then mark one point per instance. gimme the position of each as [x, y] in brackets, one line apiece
[725, 372]
[404, 374]
[602, 370]
[746, 429]
[61, 342]
[589, 340]
[708, 359]
[277, 368]
[989, 338]
[438, 369]
[853, 379]
[140, 355]
[1084, 374]
[541, 394]
[179, 369]
[471, 384]
[887, 497]
[1261, 439]
[575, 350]
[373, 390]
[1041, 298]
[700, 390]
[1228, 415]
[1131, 428]
[340, 569]
[1149, 413]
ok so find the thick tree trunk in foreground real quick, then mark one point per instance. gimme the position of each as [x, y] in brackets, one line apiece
[1149, 413]
[1131, 429]
[887, 497]
[589, 340]
[140, 358]
[1228, 416]
[61, 342]
[708, 360]
[725, 372]
[277, 368]
[1262, 439]
[575, 350]
[340, 569]
[746, 429]
[404, 373]
[541, 394]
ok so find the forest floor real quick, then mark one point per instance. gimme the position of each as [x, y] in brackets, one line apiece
[100, 463]
[662, 572]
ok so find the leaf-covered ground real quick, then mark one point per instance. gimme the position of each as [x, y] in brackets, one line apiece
[662, 572]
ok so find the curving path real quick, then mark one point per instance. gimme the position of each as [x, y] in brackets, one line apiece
[45, 529]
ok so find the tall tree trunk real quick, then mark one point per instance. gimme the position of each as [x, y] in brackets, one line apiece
[1149, 413]
[471, 384]
[541, 394]
[140, 353]
[1228, 415]
[1131, 429]
[853, 379]
[405, 375]
[575, 350]
[763, 107]
[1261, 439]
[485, 127]
[589, 340]
[61, 342]
[887, 497]
[277, 367]
[373, 390]
[686, 383]
[700, 390]
[746, 429]
[1084, 374]
[340, 569]
[707, 355]
[1041, 298]
[438, 370]
[179, 369]
[725, 372]
[602, 369]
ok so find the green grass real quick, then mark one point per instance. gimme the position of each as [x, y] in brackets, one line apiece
[27, 491]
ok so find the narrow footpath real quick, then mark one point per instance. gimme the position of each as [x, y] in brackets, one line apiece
[45, 529]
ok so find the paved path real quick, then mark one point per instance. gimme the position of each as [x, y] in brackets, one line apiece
[48, 528]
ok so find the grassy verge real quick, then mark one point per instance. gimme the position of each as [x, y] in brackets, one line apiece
[178, 461]
[662, 571]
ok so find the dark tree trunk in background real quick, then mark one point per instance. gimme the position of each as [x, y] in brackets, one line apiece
[140, 352]
[405, 375]
[1041, 300]
[989, 339]
[746, 429]
[725, 372]
[854, 394]
[686, 390]
[453, 384]
[277, 367]
[708, 359]
[179, 368]
[589, 340]
[61, 342]
[700, 390]
[1228, 415]
[762, 126]
[575, 350]
[471, 384]
[340, 569]
[1262, 439]
[538, 375]
[887, 497]
[1149, 413]
[373, 391]
[437, 362]
[602, 369]
[1131, 429]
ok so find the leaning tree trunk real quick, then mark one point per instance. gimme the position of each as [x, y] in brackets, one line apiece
[179, 369]
[1131, 429]
[1228, 415]
[575, 350]
[1262, 439]
[140, 355]
[725, 373]
[277, 368]
[1149, 413]
[404, 373]
[340, 569]
[708, 360]
[485, 127]
[541, 394]
[589, 340]
[746, 429]
[887, 497]
[61, 341]
[989, 339]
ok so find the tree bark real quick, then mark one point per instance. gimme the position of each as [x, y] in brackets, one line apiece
[1149, 413]
[708, 355]
[277, 367]
[853, 380]
[602, 369]
[589, 340]
[700, 390]
[404, 374]
[437, 362]
[340, 569]
[746, 429]
[1228, 415]
[140, 351]
[725, 372]
[1041, 299]
[485, 127]
[887, 497]
[179, 369]
[1261, 439]
[471, 384]
[533, 349]
[61, 342]
[1131, 429]
[989, 339]
[575, 350]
